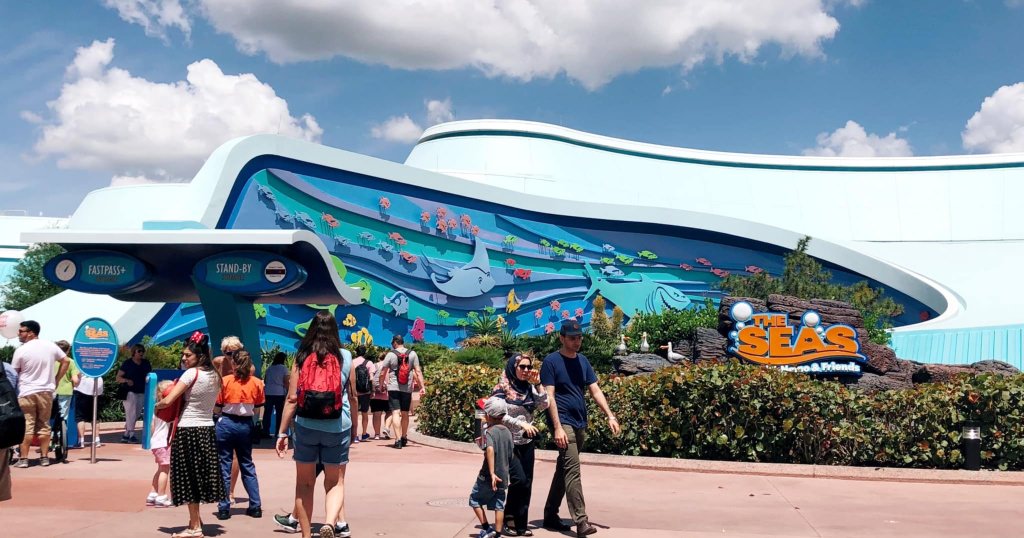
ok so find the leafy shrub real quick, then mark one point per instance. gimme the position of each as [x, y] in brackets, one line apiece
[743, 412]
[6, 353]
[431, 355]
[447, 408]
[670, 325]
[487, 356]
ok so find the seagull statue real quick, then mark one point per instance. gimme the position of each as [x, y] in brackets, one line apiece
[671, 355]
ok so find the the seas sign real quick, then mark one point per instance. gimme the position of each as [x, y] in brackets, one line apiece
[95, 347]
[809, 347]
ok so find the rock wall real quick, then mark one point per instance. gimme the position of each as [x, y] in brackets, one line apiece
[883, 371]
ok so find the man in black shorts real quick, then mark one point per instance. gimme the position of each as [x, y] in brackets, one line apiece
[406, 376]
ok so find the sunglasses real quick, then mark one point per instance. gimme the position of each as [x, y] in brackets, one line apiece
[524, 367]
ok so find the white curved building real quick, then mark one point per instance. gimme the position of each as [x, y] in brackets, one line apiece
[548, 215]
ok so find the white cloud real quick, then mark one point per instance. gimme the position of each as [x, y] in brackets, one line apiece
[851, 140]
[106, 119]
[439, 111]
[398, 129]
[404, 130]
[156, 16]
[591, 41]
[30, 117]
[120, 181]
[998, 127]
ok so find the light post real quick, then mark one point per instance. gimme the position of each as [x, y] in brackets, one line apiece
[970, 436]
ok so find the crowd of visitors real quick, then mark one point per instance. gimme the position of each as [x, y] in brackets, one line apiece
[208, 420]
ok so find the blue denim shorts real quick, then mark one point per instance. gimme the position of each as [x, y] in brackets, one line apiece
[315, 446]
[483, 496]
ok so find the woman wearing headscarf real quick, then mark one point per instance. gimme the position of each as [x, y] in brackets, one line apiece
[195, 469]
[520, 387]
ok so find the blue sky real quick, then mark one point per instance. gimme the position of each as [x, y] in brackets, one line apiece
[97, 92]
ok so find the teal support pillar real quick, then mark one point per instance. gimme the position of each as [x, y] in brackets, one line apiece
[148, 409]
[230, 315]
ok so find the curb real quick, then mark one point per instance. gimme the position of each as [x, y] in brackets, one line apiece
[836, 472]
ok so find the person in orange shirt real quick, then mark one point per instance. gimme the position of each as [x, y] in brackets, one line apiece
[241, 396]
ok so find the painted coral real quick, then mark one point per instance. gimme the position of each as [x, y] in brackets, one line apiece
[549, 328]
[425, 217]
[522, 273]
[384, 203]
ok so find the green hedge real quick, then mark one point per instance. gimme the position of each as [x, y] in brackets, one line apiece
[746, 413]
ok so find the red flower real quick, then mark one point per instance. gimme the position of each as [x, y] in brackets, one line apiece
[510, 262]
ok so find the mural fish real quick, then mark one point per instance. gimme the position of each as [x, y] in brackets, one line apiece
[399, 301]
[364, 288]
[470, 280]
[512, 303]
[644, 295]
[305, 220]
[612, 271]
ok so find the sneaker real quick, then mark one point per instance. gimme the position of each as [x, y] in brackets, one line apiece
[126, 439]
[223, 514]
[287, 522]
[98, 443]
[376, 437]
[398, 444]
[151, 498]
[355, 441]
[254, 512]
[44, 461]
[405, 442]
[326, 531]
[364, 437]
[342, 531]
[163, 501]
[133, 439]
[487, 532]
[386, 435]
[22, 463]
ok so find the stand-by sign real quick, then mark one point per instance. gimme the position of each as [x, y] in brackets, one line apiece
[809, 347]
[251, 273]
[95, 347]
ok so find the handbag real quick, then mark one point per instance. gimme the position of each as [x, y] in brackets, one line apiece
[256, 433]
[122, 392]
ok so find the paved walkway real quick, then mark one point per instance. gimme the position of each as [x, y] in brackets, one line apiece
[421, 491]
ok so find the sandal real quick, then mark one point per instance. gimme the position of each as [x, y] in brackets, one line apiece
[189, 533]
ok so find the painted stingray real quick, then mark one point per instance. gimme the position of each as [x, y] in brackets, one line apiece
[470, 280]
[631, 295]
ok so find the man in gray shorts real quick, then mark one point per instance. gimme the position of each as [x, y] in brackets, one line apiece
[407, 375]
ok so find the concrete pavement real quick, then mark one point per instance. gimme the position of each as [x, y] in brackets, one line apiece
[421, 491]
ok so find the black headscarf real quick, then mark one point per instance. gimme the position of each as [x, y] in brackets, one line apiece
[514, 390]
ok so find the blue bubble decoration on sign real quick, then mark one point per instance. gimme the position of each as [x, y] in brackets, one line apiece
[95, 347]
[251, 273]
[98, 271]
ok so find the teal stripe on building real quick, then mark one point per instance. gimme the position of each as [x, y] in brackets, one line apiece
[1005, 343]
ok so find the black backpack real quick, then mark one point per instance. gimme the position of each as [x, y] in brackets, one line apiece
[12, 420]
[364, 385]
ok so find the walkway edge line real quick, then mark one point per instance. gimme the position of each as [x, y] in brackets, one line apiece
[840, 472]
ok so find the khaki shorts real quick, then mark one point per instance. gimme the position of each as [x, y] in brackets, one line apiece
[37, 408]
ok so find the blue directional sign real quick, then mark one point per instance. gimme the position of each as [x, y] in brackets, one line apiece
[95, 347]
[251, 273]
[98, 271]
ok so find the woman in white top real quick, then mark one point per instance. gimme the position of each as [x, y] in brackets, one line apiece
[195, 470]
[87, 390]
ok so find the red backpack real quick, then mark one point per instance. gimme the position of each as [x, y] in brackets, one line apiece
[319, 388]
[403, 368]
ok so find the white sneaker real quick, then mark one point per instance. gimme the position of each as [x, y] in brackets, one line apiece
[162, 502]
[151, 498]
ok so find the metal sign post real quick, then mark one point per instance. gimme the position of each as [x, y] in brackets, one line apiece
[96, 352]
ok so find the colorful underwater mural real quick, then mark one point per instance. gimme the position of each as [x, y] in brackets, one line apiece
[428, 261]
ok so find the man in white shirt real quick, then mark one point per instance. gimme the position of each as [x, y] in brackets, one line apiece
[34, 361]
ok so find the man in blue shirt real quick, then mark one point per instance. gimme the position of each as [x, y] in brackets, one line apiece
[567, 375]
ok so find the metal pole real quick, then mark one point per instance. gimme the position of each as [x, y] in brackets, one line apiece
[95, 404]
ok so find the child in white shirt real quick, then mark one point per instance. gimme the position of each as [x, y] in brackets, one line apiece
[159, 445]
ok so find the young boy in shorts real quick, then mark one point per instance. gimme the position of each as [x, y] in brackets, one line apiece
[492, 481]
[159, 445]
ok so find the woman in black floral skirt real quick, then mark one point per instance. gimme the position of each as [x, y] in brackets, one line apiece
[195, 471]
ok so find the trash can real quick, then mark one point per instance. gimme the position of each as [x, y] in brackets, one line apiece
[970, 437]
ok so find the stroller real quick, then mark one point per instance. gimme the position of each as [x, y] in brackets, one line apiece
[58, 435]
